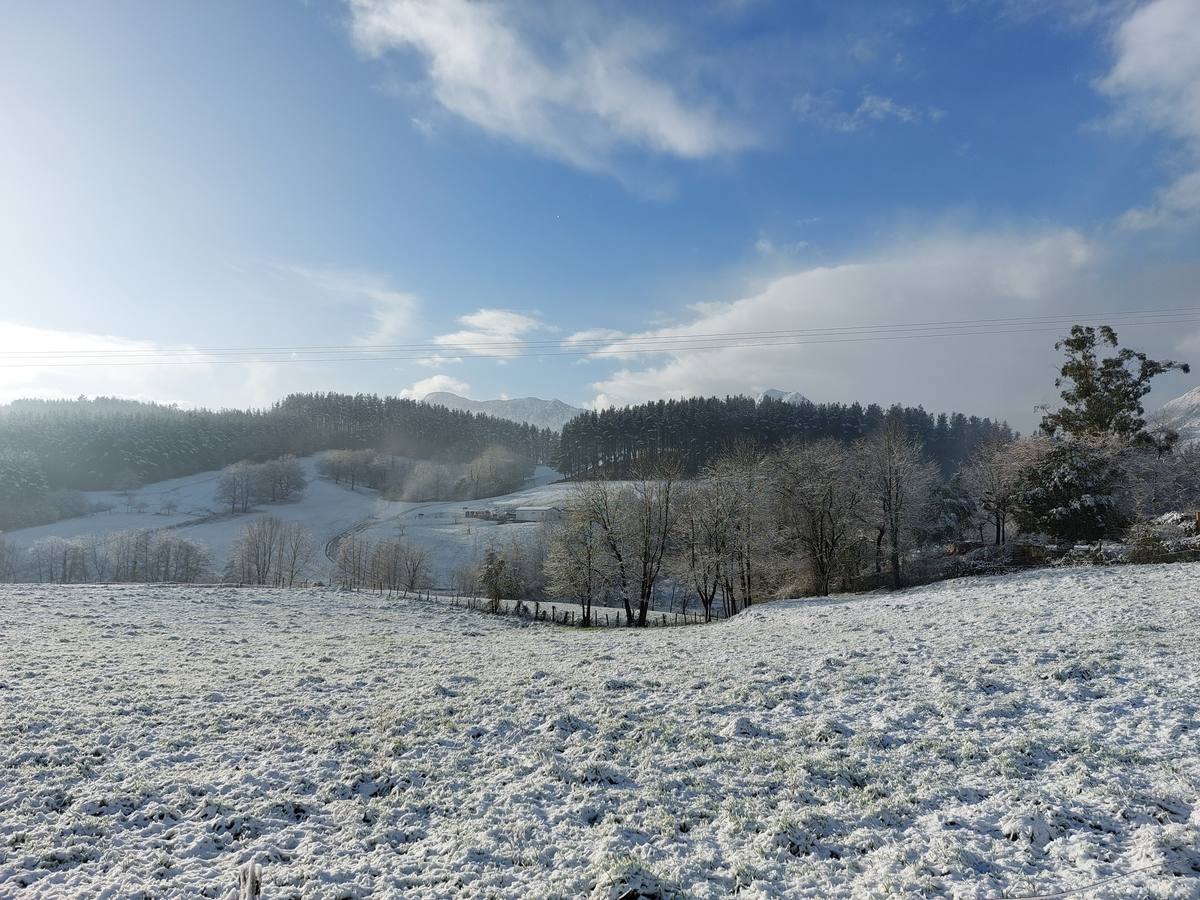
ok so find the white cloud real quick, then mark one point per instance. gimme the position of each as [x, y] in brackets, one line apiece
[954, 276]
[764, 246]
[580, 91]
[768, 249]
[393, 314]
[1155, 83]
[590, 335]
[437, 360]
[825, 111]
[49, 363]
[433, 384]
[492, 332]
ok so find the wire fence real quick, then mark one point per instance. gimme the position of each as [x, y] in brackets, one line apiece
[560, 614]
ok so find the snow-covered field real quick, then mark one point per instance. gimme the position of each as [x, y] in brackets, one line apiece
[326, 509]
[981, 738]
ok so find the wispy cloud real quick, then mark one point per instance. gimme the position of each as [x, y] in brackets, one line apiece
[492, 332]
[580, 87]
[1155, 84]
[950, 276]
[433, 384]
[826, 111]
[51, 363]
[393, 314]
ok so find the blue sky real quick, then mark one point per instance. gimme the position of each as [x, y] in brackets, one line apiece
[288, 174]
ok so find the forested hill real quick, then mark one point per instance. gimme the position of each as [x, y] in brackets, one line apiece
[92, 444]
[697, 430]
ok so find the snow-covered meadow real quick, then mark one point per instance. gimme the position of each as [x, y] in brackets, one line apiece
[981, 738]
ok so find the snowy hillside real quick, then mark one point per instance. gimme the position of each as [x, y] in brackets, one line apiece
[1183, 415]
[552, 414]
[981, 738]
[327, 510]
[784, 396]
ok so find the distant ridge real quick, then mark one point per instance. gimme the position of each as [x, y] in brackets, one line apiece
[785, 396]
[552, 414]
[1183, 415]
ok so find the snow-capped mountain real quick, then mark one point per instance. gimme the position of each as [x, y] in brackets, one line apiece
[553, 414]
[785, 396]
[1183, 415]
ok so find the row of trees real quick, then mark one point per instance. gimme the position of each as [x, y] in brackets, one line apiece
[826, 514]
[393, 564]
[692, 433]
[752, 525]
[142, 555]
[245, 484]
[269, 551]
[497, 470]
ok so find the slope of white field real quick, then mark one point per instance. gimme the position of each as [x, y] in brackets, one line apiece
[326, 509]
[981, 738]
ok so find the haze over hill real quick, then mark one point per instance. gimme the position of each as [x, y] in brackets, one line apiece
[552, 414]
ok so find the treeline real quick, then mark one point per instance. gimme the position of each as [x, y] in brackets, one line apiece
[694, 432]
[393, 564]
[272, 552]
[495, 471]
[140, 556]
[817, 516]
[805, 517]
[49, 446]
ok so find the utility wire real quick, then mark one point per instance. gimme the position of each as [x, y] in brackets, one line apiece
[631, 346]
[604, 341]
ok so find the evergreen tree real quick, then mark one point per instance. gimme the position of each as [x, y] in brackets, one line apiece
[1103, 396]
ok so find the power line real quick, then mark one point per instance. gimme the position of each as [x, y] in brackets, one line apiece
[605, 341]
[631, 346]
[631, 350]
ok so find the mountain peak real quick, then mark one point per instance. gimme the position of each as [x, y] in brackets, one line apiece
[552, 414]
[1183, 415]
[783, 396]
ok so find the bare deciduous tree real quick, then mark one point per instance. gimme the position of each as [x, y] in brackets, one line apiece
[636, 522]
[751, 545]
[576, 563]
[818, 490]
[706, 531]
[236, 486]
[898, 481]
[993, 476]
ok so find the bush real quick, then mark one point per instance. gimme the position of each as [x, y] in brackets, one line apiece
[1145, 545]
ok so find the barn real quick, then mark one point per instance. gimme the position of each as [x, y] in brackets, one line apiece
[538, 513]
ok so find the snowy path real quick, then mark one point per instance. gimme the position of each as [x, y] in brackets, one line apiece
[982, 738]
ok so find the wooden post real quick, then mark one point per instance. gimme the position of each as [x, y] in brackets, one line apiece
[250, 881]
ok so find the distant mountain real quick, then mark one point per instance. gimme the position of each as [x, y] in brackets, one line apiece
[786, 396]
[552, 414]
[1183, 415]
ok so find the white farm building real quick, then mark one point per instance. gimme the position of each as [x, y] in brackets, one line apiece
[538, 513]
